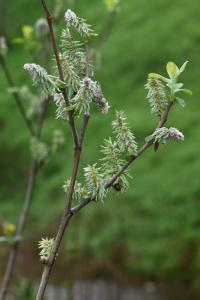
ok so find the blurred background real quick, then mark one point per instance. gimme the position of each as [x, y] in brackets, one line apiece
[144, 242]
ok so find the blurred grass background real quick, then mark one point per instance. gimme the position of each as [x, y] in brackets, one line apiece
[152, 231]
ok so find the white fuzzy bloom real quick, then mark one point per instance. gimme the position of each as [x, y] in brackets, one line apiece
[112, 162]
[61, 110]
[90, 91]
[95, 182]
[162, 135]
[98, 96]
[41, 78]
[125, 138]
[174, 133]
[80, 191]
[45, 245]
[79, 24]
[157, 96]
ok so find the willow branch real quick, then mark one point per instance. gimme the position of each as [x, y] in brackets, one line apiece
[61, 230]
[132, 158]
[15, 94]
[68, 213]
[49, 18]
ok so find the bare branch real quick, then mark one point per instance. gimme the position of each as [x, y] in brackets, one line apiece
[19, 232]
[86, 118]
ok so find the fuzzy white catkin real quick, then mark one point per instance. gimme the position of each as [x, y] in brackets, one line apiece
[95, 182]
[162, 135]
[79, 24]
[41, 78]
[157, 96]
[125, 138]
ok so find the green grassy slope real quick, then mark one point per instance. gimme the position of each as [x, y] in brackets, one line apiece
[159, 216]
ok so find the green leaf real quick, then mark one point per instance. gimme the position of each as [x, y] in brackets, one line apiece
[157, 76]
[181, 101]
[27, 31]
[172, 70]
[60, 84]
[111, 4]
[70, 108]
[182, 68]
[186, 91]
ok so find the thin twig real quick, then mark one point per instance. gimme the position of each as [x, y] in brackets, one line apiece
[86, 118]
[19, 231]
[66, 215]
[16, 95]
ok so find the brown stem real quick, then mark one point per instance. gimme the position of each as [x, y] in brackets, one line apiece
[19, 232]
[48, 267]
[16, 95]
[49, 18]
[67, 215]
[86, 118]
[61, 230]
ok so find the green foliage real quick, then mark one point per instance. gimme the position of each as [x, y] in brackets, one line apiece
[174, 72]
[160, 212]
[111, 4]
